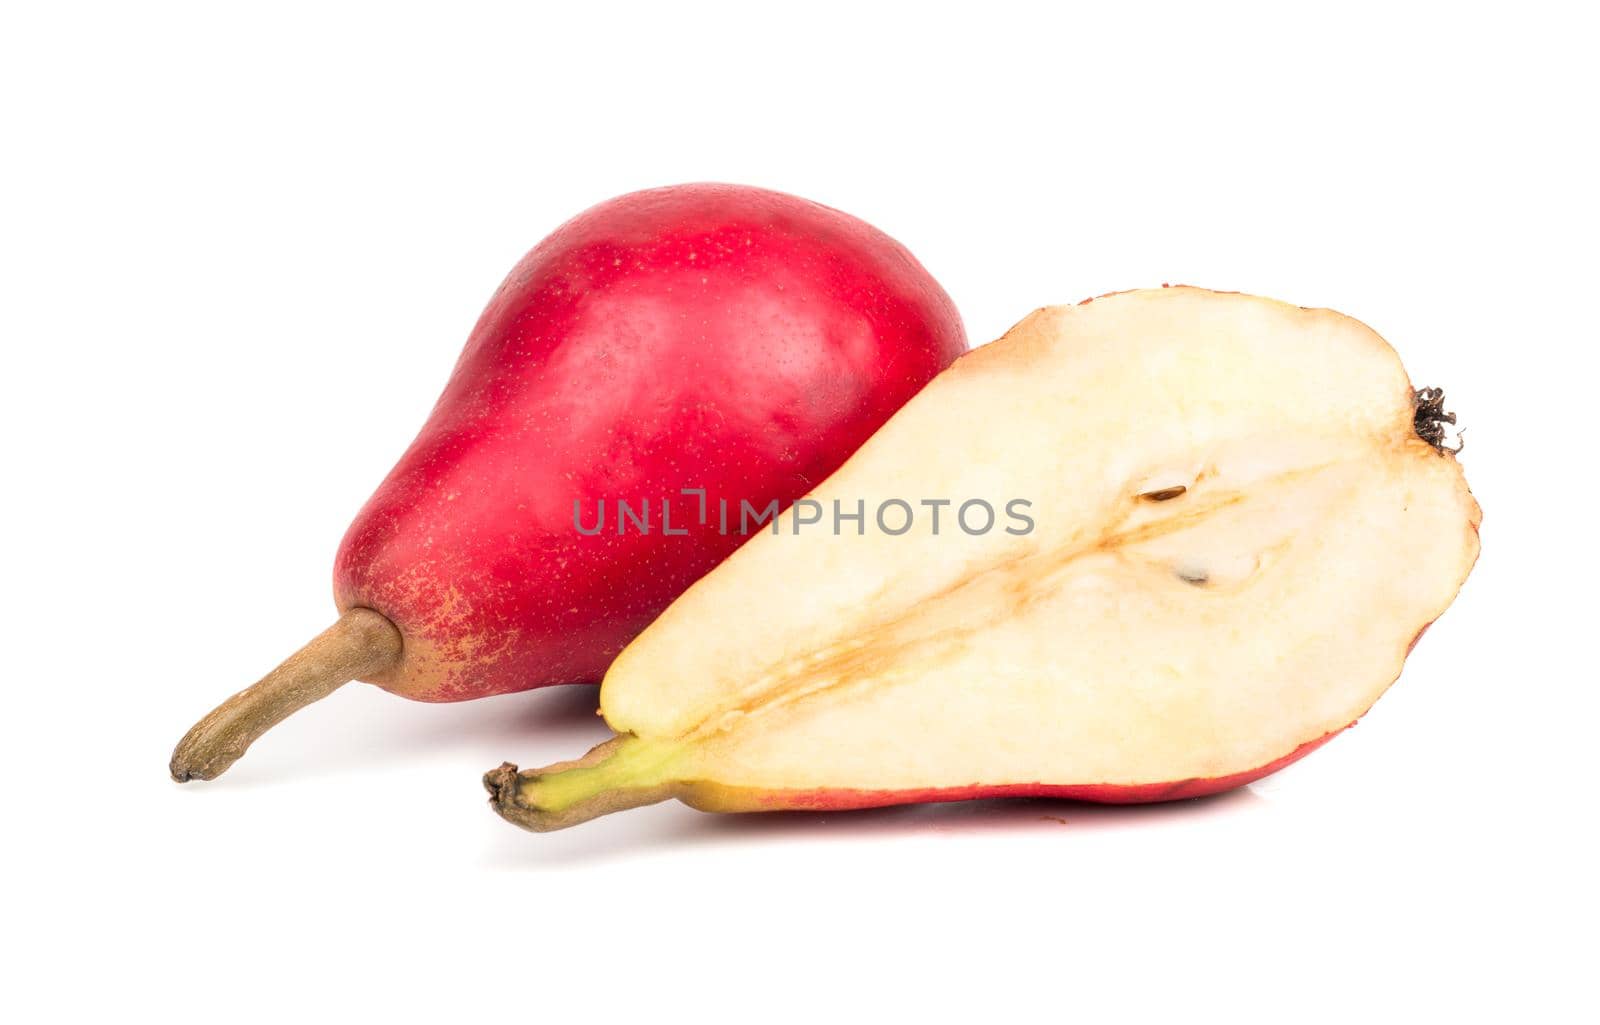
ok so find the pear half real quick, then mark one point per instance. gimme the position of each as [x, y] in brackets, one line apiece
[1233, 519]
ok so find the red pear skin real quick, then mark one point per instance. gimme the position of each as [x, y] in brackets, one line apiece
[707, 797]
[713, 337]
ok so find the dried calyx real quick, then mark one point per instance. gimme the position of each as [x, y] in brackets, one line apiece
[1430, 419]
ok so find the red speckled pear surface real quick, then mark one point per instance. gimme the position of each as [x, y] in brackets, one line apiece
[701, 336]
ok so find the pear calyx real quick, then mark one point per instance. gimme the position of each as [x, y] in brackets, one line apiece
[1431, 417]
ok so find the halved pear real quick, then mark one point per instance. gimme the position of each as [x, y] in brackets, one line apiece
[1241, 520]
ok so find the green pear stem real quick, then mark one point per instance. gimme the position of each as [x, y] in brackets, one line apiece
[622, 773]
[360, 644]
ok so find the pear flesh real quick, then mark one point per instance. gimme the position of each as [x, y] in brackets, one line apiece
[1240, 523]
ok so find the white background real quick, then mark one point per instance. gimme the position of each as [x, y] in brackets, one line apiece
[241, 251]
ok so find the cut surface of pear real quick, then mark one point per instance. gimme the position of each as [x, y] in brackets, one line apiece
[1240, 523]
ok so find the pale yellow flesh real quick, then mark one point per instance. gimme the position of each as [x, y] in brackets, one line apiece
[1124, 640]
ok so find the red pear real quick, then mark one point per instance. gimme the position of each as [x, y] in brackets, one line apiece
[641, 389]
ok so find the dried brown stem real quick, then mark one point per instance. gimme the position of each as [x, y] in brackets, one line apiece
[360, 644]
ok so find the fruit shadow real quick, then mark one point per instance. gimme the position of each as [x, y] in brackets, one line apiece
[673, 827]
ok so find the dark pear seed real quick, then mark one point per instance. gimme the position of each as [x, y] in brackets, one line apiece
[1197, 577]
[1164, 495]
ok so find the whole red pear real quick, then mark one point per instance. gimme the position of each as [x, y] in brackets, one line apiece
[699, 338]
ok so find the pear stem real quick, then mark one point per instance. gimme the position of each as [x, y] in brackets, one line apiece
[624, 772]
[361, 643]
